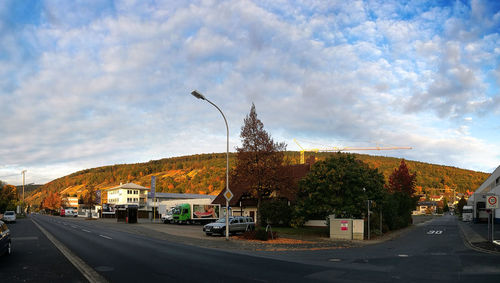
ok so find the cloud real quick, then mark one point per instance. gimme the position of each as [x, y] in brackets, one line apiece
[87, 85]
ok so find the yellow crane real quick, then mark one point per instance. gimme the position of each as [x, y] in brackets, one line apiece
[334, 149]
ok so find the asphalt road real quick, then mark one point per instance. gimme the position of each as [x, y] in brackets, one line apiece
[432, 251]
[34, 258]
[122, 257]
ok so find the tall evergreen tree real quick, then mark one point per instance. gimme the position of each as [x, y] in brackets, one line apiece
[259, 162]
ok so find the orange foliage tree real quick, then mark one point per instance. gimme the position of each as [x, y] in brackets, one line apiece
[52, 202]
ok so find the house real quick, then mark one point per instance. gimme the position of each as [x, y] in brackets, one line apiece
[244, 204]
[478, 200]
[71, 202]
[436, 198]
[425, 207]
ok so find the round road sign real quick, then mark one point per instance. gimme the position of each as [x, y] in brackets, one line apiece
[492, 201]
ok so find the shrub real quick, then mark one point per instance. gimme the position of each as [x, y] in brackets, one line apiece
[276, 212]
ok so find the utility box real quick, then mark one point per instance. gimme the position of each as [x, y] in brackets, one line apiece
[341, 229]
[358, 229]
[347, 229]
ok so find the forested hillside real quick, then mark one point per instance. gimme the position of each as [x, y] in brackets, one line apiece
[205, 174]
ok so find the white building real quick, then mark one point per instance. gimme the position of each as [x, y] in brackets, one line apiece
[129, 193]
[478, 200]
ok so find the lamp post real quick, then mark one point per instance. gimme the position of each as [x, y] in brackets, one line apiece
[198, 95]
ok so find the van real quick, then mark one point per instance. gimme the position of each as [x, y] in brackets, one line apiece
[467, 213]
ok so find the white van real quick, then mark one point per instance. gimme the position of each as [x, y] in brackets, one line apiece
[467, 213]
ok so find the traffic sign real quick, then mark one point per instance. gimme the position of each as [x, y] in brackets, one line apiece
[492, 201]
[228, 195]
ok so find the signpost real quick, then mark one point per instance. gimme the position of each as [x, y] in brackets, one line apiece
[492, 204]
[152, 194]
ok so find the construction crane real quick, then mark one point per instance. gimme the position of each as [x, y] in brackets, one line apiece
[334, 149]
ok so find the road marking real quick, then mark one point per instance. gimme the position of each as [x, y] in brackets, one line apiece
[434, 232]
[86, 231]
[109, 238]
[84, 268]
[402, 255]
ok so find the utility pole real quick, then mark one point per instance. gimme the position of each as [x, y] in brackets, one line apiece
[368, 219]
[23, 173]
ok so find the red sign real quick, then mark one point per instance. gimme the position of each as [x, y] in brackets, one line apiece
[344, 225]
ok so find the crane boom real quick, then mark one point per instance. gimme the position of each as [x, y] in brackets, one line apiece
[334, 149]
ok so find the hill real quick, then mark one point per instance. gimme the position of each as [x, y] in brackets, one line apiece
[205, 174]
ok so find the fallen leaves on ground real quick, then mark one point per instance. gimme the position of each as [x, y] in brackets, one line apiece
[277, 241]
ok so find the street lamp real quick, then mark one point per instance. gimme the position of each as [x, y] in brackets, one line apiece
[198, 95]
[23, 173]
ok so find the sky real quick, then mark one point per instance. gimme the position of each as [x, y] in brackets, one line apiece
[85, 84]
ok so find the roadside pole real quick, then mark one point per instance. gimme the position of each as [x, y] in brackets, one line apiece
[368, 219]
[492, 205]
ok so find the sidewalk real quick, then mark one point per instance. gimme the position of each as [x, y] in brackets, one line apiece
[476, 235]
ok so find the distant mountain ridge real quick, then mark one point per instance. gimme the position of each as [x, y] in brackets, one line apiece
[205, 174]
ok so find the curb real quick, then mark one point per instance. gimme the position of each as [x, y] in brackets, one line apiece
[470, 245]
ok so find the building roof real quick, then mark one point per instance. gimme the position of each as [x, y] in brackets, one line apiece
[490, 183]
[432, 203]
[183, 196]
[128, 186]
[294, 172]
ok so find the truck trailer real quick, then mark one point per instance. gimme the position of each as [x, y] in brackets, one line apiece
[195, 213]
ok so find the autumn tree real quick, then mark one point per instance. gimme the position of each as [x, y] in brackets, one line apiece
[8, 197]
[259, 161]
[52, 202]
[90, 198]
[402, 181]
[400, 200]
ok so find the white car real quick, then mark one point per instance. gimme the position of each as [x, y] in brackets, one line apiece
[9, 216]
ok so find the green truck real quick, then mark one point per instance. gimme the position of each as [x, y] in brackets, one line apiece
[195, 213]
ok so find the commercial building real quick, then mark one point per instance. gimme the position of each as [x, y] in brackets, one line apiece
[125, 195]
[478, 200]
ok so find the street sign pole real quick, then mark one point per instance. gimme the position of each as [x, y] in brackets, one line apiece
[492, 204]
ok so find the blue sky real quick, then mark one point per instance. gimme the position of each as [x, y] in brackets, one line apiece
[92, 83]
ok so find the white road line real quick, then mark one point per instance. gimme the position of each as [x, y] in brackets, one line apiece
[109, 238]
[84, 268]
[86, 231]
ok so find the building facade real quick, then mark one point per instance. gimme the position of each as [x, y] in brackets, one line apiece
[478, 200]
[128, 194]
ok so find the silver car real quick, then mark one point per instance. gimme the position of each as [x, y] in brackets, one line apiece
[9, 216]
[236, 224]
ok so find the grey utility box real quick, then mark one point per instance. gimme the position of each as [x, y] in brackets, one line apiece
[346, 229]
[341, 229]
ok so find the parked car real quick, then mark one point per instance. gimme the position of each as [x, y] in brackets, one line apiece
[5, 242]
[9, 216]
[236, 224]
